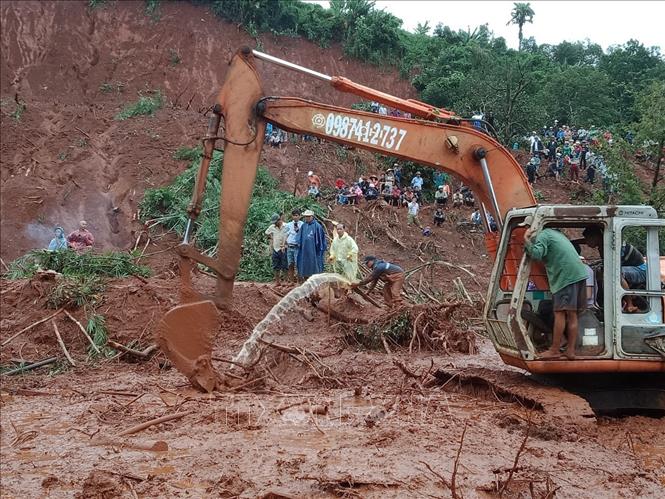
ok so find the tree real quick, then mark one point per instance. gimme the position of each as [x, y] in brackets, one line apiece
[521, 14]
[651, 127]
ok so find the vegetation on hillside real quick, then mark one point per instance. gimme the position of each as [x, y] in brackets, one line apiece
[168, 206]
[468, 71]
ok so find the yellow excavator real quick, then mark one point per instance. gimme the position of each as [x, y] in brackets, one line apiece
[610, 340]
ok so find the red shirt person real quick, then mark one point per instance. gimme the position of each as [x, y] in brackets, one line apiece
[81, 239]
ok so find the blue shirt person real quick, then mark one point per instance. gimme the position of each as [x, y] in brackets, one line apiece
[59, 242]
[312, 245]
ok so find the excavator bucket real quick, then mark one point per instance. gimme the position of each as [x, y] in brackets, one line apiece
[186, 334]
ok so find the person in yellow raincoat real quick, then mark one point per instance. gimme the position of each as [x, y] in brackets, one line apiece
[343, 254]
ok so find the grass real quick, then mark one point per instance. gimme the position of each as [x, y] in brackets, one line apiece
[96, 4]
[167, 206]
[145, 106]
[108, 86]
[188, 153]
[18, 111]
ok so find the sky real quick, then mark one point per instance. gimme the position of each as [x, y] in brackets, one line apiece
[603, 22]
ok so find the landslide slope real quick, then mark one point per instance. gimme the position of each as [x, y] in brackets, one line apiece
[64, 156]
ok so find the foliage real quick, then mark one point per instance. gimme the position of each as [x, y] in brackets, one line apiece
[174, 57]
[167, 206]
[521, 14]
[146, 105]
[398, 331]
[152, 10]
[651, 124]
[96, 328]
[188, 153]
[95, 4]
[71, 263]
[75, 290]
[472, 70]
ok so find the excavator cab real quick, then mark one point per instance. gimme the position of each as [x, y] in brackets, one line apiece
[622, 330]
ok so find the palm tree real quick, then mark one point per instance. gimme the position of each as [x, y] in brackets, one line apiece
[521, 14]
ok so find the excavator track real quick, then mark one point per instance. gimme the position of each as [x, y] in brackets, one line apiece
[568, 397]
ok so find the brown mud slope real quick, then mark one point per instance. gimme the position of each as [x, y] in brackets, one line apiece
[349, 423]
[65, 157]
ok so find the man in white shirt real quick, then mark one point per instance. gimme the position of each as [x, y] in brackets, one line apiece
[277, 233]
[412, 215]
[292, 228]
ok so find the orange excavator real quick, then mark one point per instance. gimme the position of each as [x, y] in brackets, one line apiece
[611, 340]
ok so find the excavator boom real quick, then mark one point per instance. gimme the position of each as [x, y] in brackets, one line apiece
[447, 144]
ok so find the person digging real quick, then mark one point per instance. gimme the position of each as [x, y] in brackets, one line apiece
[390, 274]
[567, 278]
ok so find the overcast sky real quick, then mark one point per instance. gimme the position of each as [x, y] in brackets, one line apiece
[603, 22]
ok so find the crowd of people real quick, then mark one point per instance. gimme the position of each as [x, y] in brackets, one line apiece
[80, 239]
[564, 152]
[400, 192]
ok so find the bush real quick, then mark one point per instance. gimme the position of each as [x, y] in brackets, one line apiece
[146, 105]
[71, 263]
[168, 206]
[76, 291]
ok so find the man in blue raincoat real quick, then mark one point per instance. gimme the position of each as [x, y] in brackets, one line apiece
[59, 242]
[312, 245]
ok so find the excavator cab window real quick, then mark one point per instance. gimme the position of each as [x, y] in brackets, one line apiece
[640, 296]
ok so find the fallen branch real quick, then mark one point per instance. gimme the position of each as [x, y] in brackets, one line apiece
[517, 458]
[144, 354]
[415, 332]
[62, 344]
[30, 367]
[453, 478]
[152, 422]
[85, 333]
[31, 326]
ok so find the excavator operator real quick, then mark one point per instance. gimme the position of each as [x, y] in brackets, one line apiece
[567, 277]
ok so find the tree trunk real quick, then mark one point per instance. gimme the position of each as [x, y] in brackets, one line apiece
[658, 162]
[519, 47]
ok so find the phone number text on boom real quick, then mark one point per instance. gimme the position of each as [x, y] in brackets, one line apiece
[376, 134]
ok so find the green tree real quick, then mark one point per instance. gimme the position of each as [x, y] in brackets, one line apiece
[521, 14]
[581, 95]
[631, 67]
[651, 126]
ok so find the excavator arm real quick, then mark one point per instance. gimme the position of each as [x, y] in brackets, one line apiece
[447, 144]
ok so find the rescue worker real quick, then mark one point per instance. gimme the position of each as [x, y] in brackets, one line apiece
[81, 239]
[343, 254]
[390, 274]
[277, 233]
[312, 245]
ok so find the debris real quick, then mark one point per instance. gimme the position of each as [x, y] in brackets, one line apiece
[144, 354]
[62, 344]
[152, 422]
[30, 367]
[85, 333]
[32, 325]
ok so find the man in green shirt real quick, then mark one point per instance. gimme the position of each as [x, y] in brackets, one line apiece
[567, 278]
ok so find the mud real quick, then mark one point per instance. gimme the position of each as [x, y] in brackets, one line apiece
[379, 433]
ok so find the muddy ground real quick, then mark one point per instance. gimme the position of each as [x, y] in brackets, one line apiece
[373, 430]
